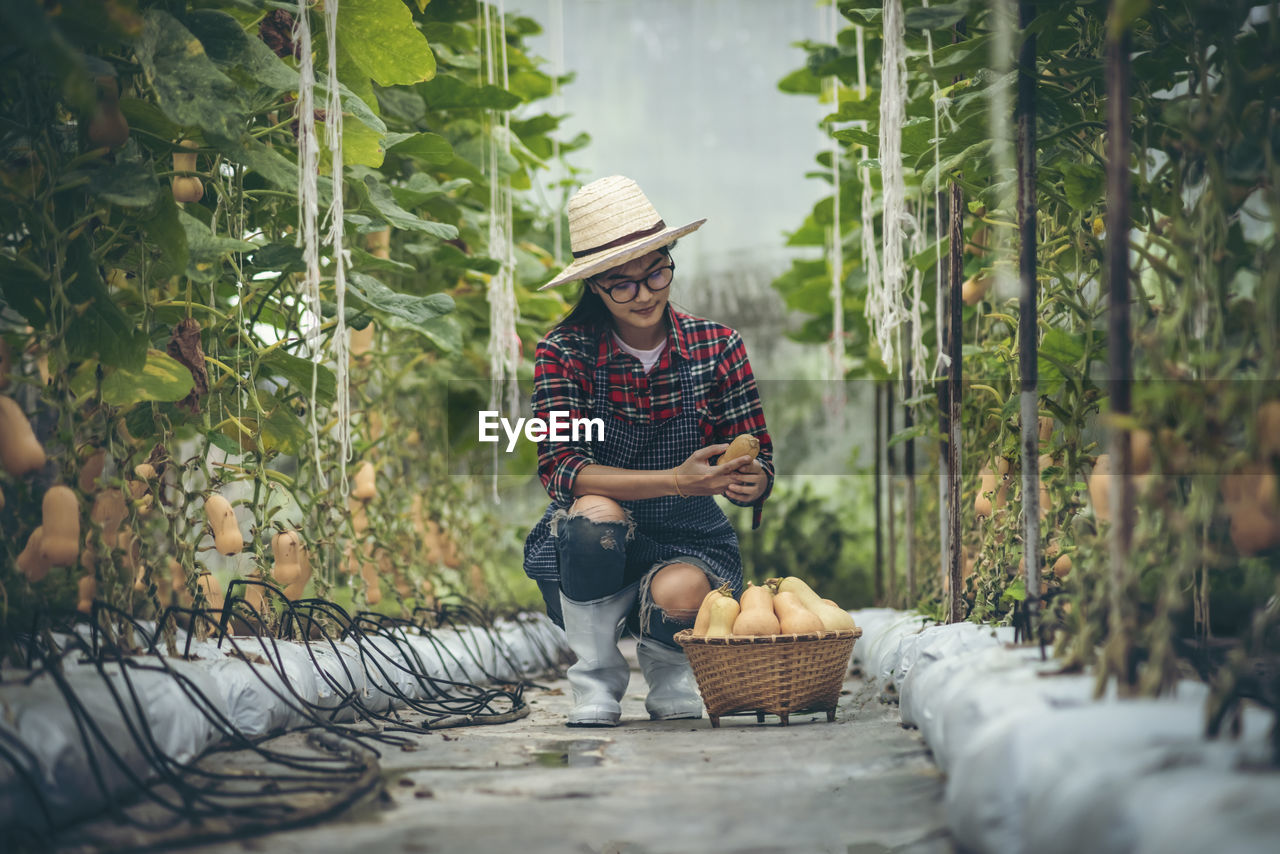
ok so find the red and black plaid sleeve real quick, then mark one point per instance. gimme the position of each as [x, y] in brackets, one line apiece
[561, 381]
[736, 409]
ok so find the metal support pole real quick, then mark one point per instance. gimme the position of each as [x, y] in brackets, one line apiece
[1028, 312]
[891, 570]
[879, 489]
[1119, 343]
[955, 340]
[909, 470]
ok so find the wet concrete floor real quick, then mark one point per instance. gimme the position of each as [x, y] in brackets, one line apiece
[860, 785]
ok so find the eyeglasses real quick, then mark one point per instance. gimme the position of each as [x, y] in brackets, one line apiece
[658, 280]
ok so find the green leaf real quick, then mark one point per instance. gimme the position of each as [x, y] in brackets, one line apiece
[861, 15]
[130, 184]
[188, 86]
[382, 200]
[421, 188]
[268, 163]
[25, 288]
[161, 378]
[431, 148]
[298, 372]
[903, 436]
[282, 429]
[368, 263]
[447, 92]
[223, 442]
[392, 51]
[420, 313]
[800, 82]
[1015, 592]
[858, 136]
[207, 250]
[1058, 357]
[163, 228]
[1084, 185]
[228, 45]
[933, 17]
[146, 116]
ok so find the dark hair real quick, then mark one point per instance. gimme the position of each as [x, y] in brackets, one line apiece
[590, 309]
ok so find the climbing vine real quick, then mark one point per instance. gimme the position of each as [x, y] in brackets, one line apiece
[155, 328]
[1203, 565]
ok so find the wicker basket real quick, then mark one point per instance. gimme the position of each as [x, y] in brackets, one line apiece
[774, 674]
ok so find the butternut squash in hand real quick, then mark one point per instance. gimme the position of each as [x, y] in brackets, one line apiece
[61, 517]
[756, 615]
[745, 445]
[227, 538]
[19, 451]
[793, 617]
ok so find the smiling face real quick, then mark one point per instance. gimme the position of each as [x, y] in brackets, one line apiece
[642, 321]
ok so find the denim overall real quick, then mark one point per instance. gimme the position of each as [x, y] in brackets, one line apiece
[582, 557]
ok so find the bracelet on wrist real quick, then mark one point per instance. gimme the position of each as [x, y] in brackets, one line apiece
[676, 475]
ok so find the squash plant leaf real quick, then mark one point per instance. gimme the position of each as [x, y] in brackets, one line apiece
[430, 148]
[934, 17]
[393, 51]
[160, 377]
[384, 203]
[206, 249]
[298, 373]
[130, 184]
[189, 88]
[245, 58]
[420, 313]
[448, 92]
[282, 429]
[1084, 185]
[24, 287]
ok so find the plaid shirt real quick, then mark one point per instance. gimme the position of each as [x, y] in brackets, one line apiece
[726, 398]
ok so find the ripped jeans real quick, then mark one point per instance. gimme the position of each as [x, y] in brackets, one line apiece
[594, 564]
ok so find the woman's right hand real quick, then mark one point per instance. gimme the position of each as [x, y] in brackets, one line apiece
[697, 476]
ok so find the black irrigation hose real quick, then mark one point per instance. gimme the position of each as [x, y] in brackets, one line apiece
[477, 706]
[446, 702]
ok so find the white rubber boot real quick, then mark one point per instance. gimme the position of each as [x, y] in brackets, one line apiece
[600, 675]
[673, 691]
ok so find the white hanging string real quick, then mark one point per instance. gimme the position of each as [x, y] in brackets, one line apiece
[1000, 116]
[504, 341]
[870, 252]
[835, 397]
[308, 216]
[555, 33]
[943, 361]
[886, 309]
[336, 240]
[919, 353]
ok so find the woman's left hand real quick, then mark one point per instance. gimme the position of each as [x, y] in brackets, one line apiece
[748, 485]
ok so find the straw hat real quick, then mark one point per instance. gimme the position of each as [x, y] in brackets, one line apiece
[610, 223]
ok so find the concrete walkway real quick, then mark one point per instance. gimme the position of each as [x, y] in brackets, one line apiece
[862, 784]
